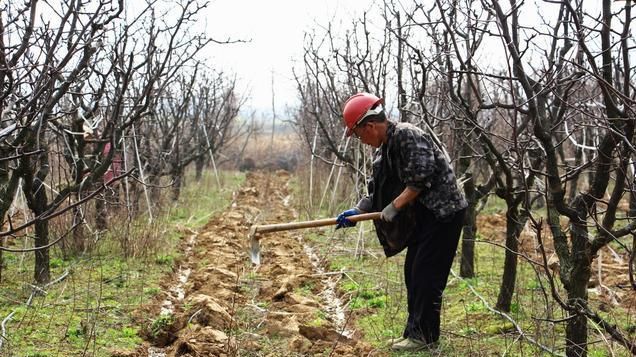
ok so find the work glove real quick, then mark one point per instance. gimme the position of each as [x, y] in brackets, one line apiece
[343, 222]
[389, 212]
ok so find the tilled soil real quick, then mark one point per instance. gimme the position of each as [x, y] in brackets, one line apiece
[219, 303]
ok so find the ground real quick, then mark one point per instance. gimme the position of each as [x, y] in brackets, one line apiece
[286, 305]
[218, 303]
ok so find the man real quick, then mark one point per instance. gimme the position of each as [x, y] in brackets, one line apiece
[422, 207]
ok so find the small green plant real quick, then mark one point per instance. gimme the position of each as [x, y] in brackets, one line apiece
[475, 307]
[369, 298]
[337, 265]
[166, 259]
[152, 291]
[356, 303]
[56, 262]
[534, 284]
[129, 332]
[466, 282]
[594, 352]
[317, 322]
[377, 302]
[350, 285]
[74, 332]
[161, 324]
[308, 285]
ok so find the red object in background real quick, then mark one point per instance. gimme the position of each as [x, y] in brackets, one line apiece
[114, 169]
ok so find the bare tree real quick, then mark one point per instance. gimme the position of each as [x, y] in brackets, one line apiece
[194, 118]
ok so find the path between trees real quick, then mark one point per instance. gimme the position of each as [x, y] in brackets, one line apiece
[218, 303]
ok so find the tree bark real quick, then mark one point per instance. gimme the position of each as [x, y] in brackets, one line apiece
[78, 232]
[42, 274]
[199, 163]
[101, 213]
[467, 266]
[509, 278]
[177, 178]
[576, 286]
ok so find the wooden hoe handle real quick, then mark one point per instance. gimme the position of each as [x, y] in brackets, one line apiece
[267, 228]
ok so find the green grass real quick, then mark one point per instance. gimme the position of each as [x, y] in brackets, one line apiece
[91, 311]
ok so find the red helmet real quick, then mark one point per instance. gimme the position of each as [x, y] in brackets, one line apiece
[358, 107]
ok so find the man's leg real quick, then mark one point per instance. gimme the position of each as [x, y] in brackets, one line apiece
[427, 265]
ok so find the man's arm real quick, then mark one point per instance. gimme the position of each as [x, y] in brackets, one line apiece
[407, 196]
[392, 209]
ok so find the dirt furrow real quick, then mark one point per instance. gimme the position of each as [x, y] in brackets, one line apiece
[285, 306]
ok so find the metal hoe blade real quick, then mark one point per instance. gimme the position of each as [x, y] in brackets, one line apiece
[255, 247]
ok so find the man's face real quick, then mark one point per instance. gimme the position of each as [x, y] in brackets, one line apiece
[367, 133]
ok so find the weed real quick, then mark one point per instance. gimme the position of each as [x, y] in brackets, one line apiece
[308, 285]
[475, 307]
[166, 259]
[56, 262]
[152, 291]
[594, 352]
[263, 304]
[161, 324]
[349, 286]
[317, 322]
[74, 332]
[129, 332]
[468, 331]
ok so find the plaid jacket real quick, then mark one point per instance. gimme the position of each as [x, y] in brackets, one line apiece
[410, 158]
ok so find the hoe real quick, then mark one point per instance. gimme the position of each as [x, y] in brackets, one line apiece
[256, 230]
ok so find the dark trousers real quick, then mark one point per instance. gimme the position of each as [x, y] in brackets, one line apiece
[428, 261]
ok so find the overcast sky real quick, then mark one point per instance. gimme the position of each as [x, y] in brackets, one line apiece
[274, 29]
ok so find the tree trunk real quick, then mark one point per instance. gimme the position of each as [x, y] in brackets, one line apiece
[155, 189]
[510, 263]
[467, 266]
[199, 163]
[78, 232]
[579, 276]
[576, 328]
[177, 177]
[37, 201]
[101, 214]
[42, 274]
[136, 196]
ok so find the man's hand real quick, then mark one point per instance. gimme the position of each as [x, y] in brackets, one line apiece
[389, 212]
[342, 220]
